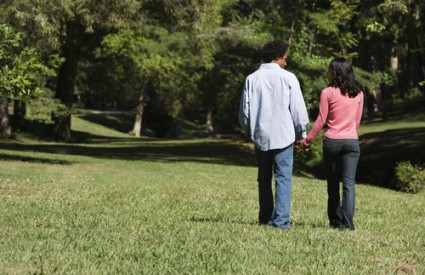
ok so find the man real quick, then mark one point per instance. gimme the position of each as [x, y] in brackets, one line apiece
[273, 114]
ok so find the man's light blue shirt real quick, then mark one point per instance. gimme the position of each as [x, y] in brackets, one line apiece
[272, 109]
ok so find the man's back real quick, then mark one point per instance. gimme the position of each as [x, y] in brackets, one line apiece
[270, 102]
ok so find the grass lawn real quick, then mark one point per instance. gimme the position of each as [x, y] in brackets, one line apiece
[156, 206]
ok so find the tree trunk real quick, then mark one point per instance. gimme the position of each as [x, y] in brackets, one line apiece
[61, 128]
[137, 128]
[19, 112]
[311, 39]
[418, 17]
[294, 19]
[66, 78]
[209, 122]
[419, 59]
[290, 34]
[4, 118]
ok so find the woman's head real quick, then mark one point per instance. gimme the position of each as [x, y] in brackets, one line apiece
[341, 75]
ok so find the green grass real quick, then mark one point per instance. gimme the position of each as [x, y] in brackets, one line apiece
[156, 206]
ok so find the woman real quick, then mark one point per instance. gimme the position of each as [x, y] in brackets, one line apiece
[341, 106]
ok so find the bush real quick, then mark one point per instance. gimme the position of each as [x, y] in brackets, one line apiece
[40, 109]
[410, 178]
[312, 157]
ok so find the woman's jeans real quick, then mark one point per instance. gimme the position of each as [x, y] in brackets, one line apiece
[341, 157]
[280, 161]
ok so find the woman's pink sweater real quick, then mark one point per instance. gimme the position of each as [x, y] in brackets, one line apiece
[343, 114]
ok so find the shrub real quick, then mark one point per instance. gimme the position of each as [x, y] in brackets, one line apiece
[312, 157]
[40, 109]
[410, 178]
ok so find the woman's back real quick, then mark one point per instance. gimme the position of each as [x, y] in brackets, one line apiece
[344, 113]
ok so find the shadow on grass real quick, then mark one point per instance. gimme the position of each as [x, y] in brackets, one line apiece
[196, 150]
[84, 137]
[381, 151]
[5, 157]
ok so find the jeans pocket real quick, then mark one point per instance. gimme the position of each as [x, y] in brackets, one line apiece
[353, 148]
[330, 144]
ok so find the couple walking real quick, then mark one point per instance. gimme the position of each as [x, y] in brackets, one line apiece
[273, 114]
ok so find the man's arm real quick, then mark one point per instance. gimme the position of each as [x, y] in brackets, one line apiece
[298, 109]
[243, 115]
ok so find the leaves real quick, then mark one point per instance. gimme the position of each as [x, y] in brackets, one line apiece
[20, 65]
[195, 54]
[392, 7]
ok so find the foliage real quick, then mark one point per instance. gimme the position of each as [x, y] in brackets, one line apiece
[20, 66]
[72, 28]
[194, 55]
[410, 178]
[413, 94]
[313, 157]
[40, 109]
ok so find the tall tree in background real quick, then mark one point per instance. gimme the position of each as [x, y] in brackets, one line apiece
[189, 57]
[236, 39]
[391, 45]
[172, 49]
[207, 31]
[150, 53]
[72, 29]
[18, 73]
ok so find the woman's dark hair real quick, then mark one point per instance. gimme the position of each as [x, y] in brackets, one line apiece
[273, 50]
[343, 77]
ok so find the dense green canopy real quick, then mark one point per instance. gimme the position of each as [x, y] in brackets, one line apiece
[188, 58]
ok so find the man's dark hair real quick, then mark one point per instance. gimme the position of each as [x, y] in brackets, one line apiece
[273, 50]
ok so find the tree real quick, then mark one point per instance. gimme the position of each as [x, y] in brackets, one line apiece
[171, 51]
[391, 45]
[189, 58]
[18, 74]
[149, 50]
[217, 48]
[72, 28]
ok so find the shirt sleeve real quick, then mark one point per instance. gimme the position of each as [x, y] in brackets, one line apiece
[243, 115]
[321, 118]
[359, 110]
[298, 109]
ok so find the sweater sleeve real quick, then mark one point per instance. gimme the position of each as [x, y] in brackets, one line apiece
[359, 111]
[321, 118]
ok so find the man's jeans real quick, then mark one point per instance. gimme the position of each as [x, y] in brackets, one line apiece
[341, 157]
[281, 160]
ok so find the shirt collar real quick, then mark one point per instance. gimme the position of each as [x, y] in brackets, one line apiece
[270, 66]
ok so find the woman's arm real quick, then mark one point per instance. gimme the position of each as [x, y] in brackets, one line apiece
[321, 118]
[359, 110]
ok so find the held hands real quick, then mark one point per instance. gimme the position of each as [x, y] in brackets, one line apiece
[302, 145]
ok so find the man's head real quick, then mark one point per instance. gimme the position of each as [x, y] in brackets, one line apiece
[275, 51]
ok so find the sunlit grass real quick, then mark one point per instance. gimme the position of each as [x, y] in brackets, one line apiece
[380, 126]
[154, 206]
[82, 212]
